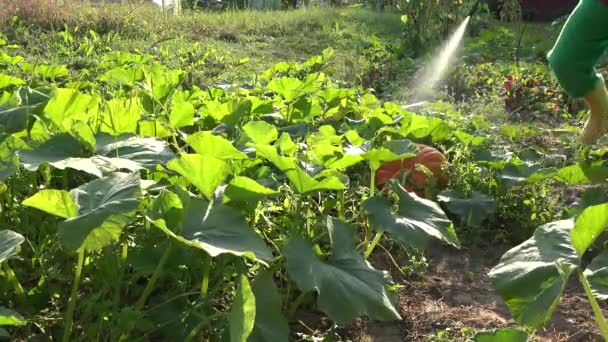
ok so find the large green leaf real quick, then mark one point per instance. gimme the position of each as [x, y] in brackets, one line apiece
[580, 174]
[55, 202]
[390, 151]
[147, 152]
[303, 182]
[416, 221]
[261, 132]
[64, 151]
[206, 173]
[531, 277]
[597, 275]
[10, 81]
[182, 113]
[471, 211]
[244, 189]
[105, 207]
[69, 105]
[121, 116]
[215, 228]
[9, 161]
[502, 335]
[10, 317]
[209, 145]
[242, 313]
[589, 225]
[10, 243]
[347, 285]
[229, 112]
[270, 324]
[30, 102]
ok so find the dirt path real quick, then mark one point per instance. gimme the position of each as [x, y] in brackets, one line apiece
[456, 292]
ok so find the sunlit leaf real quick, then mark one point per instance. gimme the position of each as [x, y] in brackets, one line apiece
[502, 335]
[105, 207]
[244, 189]
[261, 132]
[9, 317]
[55, 202]
[242, 313]
[206, 173]
[209, 145]
[589, 225]
[303, 182]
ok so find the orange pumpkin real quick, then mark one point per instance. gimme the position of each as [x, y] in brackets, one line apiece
[415, 180]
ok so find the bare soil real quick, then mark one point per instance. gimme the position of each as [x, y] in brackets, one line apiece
[456, 292]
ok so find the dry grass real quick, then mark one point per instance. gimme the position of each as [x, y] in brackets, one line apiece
[56, 14]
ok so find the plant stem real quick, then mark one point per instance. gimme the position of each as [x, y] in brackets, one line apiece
[599, 317]
[157, 271]
[341, 205]
[12, 278]
[69, 316]
[206, 269]
[123, 260]
[372, 245]
[296, 304]
[372, 182]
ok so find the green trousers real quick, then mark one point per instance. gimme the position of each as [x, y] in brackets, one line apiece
[580, 45]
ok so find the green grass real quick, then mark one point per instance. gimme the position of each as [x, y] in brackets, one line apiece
[364, 41]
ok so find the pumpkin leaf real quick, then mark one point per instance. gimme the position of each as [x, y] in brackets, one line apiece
[105, 207]
[205, 173]
[9, 317]
[270, 324]
[55, 202]
[215, 228]
[303, 182]
[589, 225]
[10, 243]
[347, 285]
[531, 277]
[471, 211]
[502, 335]
[209, 145]
[261, 132]
[597, 275]
[416, 221]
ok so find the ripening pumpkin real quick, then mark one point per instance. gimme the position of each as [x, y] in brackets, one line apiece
[416, 180]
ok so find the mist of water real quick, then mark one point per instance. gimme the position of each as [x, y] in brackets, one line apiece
[432, 74]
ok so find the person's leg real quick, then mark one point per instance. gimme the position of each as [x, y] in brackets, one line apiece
[580, 45]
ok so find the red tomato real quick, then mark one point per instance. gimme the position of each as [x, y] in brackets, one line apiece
[415, 180]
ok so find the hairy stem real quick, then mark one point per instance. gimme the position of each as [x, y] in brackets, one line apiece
[12, 279]
[599, 317]
[205, 281]
[372, 245]
[152, 282]
[69, 316]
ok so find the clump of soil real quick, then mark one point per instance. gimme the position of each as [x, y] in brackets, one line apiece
[456, 292]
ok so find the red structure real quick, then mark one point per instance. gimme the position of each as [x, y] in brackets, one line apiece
[542, 10]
